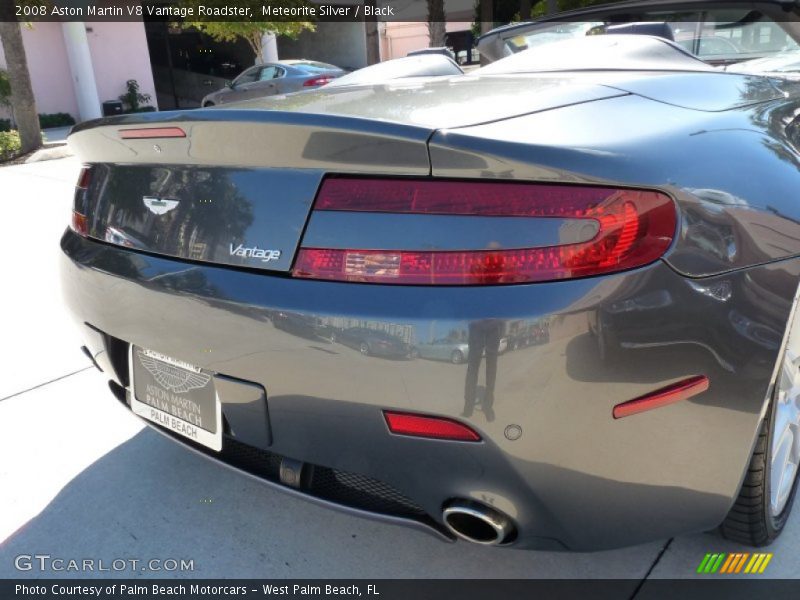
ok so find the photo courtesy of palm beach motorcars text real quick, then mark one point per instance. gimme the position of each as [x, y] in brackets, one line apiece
[172, 590]
[400, 298]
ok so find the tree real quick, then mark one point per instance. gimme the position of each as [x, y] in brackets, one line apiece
[372, 40]
[5, 90]
[436, 23]
[23, 104]
[525, 10]
[250, 31]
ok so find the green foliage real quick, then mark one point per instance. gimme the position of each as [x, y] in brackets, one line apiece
[5, 89]
[133, 98]
[46, 121]
[9, 145]
[249, 30]
[49, 120]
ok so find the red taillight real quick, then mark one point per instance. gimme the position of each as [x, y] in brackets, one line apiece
[316, 81]
[635, 227]
[152, 132]
[79, 224]
[84, 178]
[669, 395]
[429, 427]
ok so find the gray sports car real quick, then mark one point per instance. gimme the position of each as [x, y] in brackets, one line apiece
[632, 201]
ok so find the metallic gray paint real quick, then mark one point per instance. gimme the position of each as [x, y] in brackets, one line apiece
[653, 475]
[717, 305]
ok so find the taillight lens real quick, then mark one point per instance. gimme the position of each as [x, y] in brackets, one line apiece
[635, 228]
[84, 178]
[79, 223]
[317, 81]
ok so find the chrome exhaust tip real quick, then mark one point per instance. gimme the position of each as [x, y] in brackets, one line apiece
[478, 523]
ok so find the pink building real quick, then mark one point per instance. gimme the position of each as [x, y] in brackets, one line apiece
[75, 67]
[399, 38]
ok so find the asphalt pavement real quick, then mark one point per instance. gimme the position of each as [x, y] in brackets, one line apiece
[81, 478]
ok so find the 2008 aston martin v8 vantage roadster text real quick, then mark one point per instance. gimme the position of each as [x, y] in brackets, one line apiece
[547, 304]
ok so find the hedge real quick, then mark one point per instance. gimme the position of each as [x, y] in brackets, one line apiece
[9, 145]
[46, 121]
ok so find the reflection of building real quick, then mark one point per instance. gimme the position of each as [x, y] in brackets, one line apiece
[75, 67]
[399, 38]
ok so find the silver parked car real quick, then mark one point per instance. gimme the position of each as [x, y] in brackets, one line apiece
[454, 351]
[269, 79]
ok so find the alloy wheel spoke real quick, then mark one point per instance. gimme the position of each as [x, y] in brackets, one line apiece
[786, 428]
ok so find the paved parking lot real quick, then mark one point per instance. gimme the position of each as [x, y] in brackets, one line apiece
[81, 478]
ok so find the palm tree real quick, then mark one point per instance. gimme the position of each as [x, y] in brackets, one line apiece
[23, 104]
[372, 38]
[436, 23]
[525, 10]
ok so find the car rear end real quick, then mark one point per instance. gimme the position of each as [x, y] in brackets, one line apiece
[311, 74]
[345, 223]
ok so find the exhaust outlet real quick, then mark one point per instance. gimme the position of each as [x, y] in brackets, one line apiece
[478, 523]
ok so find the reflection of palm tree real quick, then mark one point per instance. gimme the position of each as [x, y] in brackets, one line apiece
[215, 201]
[211, 208]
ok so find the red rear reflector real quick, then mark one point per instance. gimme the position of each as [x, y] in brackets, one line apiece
[79, 224]
[668, 395]
[429, 427]
[85, 178]
[152, 132]
[635, 228]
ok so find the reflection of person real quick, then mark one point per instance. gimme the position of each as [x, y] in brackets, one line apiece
[484, 338]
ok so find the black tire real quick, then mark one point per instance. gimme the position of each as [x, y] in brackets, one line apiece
[750, 520]
[208, 104]
[364, 348]
[457, 357]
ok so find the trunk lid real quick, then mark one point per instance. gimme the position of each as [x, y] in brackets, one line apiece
[440, 102]
[237, 187]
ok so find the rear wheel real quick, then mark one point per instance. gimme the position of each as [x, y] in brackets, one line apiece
[457, 357]
[770, 484]
[364, 348]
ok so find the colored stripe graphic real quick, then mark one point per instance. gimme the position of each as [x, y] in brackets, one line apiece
[764, 564]
[752, 563]
[723, 563]
[717, 563]
[703, 563]
[733, 562]
[727, 567]
[741, 562]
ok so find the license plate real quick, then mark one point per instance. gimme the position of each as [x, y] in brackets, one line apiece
[177, 396]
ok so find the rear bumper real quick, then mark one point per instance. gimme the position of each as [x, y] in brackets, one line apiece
[574, 479]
